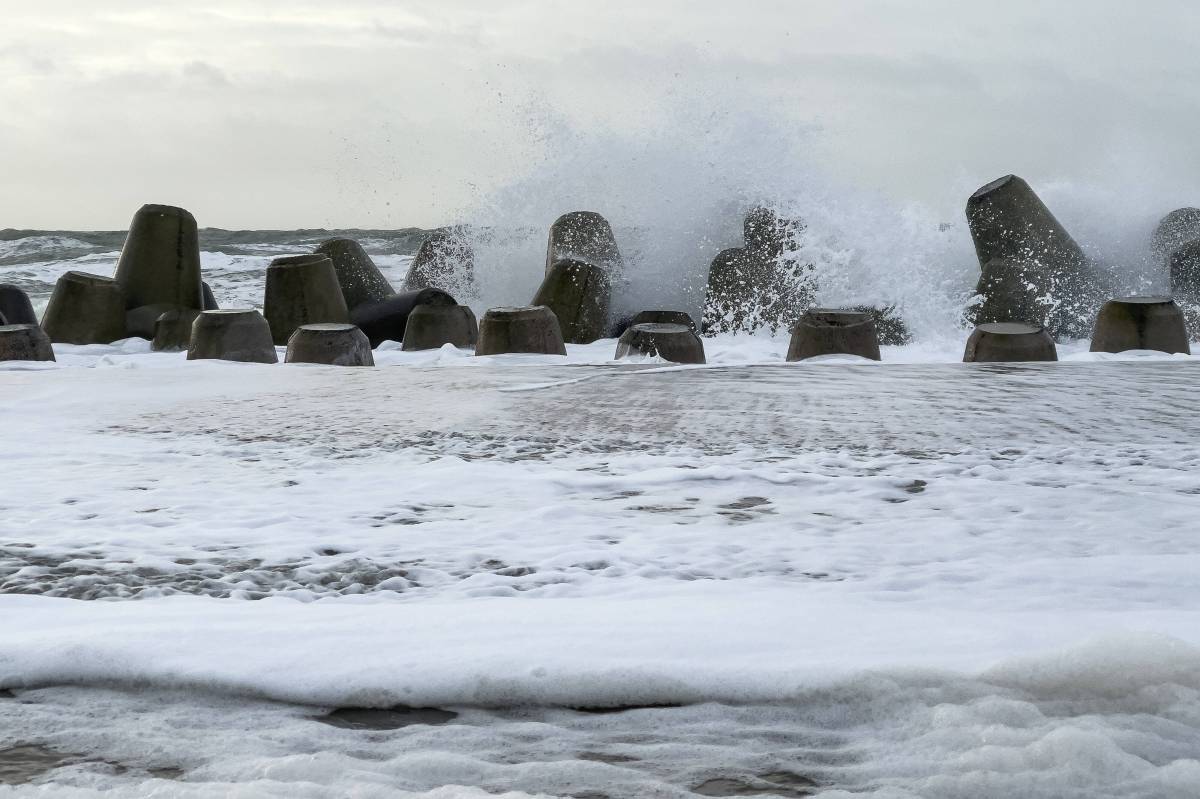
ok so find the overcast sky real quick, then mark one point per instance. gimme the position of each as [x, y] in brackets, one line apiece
[385, 114]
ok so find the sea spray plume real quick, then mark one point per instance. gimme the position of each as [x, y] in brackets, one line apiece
[676, 190]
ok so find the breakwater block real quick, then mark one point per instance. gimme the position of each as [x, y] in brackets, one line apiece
[1009, 222]
[328, 343]
[1009, 294]
[160, 262]
[653, 317]
[15, 306]
[432, 326]
[583, 236]
[1140, 323]
[768, 235]
[1176, 229]
[173, 329]
[24, 342]
[828, 331]
[208, 299]
[1184, 267]
[675, 343]
[302, 290]
[233, 335]
[1008, 342]
[890, 326]
[387, 319]
[445, 261]
[85, 309]
[730, 296]
[360, 280]
[532, 329]
[578, 293]
[143, 321]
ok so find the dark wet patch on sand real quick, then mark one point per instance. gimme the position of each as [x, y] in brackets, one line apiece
[356, 718]
[778, 783]
[27, 762]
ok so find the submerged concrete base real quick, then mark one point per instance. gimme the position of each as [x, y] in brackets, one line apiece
[302, 290]
[24, 343]
[85, 309]
[360, 280]
[387, 319]
[236, 335]
[1009, 342]
[675, 343]
[173, 329]
[1140, 323]
[826, 331]
[15, 306]
[332, 344]
[533, 329]
[578, 293]
[433, 326]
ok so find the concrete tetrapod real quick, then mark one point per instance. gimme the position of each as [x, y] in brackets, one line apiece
[85, 309]
[160, 262]
[829, 331]
[15, 306]
[302, 290]
[143, 321]
[1176, 229]
[445, 261]
[1140, 323]
[433, 326]
[332, 344]
[768, 235]
[173, 329]
[1184, 266]
[1009, 295]
[675, 343]
[360, 279]
[730, 295]
[208, 299]
[387, 319]
[1010, 223]
[1008, 342]
[533, 329]
[653, 317]
[24, 342]
[583, 236]
[578, 293]
[234, 335]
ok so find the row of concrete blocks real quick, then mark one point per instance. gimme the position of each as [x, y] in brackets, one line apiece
[1128, 323]
[158, 283]
[1131, 323]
